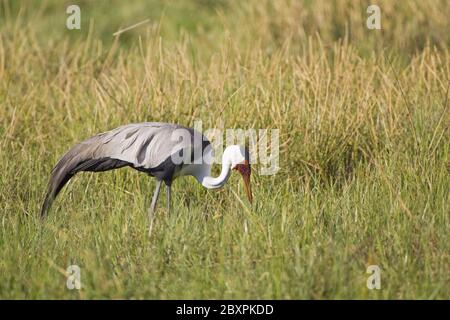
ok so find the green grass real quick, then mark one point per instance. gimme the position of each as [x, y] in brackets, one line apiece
[364, 149]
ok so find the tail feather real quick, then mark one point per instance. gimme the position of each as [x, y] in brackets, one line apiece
[79, 158]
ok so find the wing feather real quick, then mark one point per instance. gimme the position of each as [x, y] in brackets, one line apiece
[143, 146]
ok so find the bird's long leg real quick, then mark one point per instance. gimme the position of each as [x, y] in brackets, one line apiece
[151, 211]
[168, 194]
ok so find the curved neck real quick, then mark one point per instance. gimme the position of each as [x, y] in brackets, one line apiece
[213, 183]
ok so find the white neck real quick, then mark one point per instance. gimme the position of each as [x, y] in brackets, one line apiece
[213, 183]
[202, 172]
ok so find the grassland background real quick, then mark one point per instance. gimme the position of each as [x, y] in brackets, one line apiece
[364, 155]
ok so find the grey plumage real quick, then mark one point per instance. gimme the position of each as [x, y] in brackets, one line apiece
[147, 147]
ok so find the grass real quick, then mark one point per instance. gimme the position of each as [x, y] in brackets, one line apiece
[364, 149]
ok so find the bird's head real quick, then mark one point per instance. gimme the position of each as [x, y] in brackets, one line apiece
[240, 161]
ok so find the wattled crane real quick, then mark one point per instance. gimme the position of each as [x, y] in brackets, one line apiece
[162, 150]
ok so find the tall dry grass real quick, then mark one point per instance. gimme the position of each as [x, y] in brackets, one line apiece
[364, 150]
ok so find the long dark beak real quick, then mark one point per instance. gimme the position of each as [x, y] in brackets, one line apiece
[245, 171]
[248, 187]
